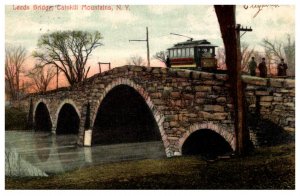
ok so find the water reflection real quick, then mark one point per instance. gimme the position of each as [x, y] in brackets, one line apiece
[59, 153]
[69, 154]
[43, 145]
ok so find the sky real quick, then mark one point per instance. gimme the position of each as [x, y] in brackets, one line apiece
[24, 27]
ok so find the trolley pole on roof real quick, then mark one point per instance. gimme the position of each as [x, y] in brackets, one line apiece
[147, 41]
[190, 38]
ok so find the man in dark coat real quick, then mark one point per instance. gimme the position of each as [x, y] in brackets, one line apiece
[282, 67]
[168, 62]
[252, 67]
[262, 68]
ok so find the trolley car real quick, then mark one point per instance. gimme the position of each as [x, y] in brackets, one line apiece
[197, 55]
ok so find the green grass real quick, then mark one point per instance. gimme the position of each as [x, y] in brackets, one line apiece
[265, 168]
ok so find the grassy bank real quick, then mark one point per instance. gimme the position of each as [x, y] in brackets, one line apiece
[265, 168]
[15, 119]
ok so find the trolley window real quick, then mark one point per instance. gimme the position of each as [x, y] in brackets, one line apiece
[187, 52]
[207, 52]
[175, 53]
[170, 53]
[179, 52]
[191, 52]
[183, 52]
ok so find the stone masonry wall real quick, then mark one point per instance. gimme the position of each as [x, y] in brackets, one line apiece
[181, 101]
[273, 98]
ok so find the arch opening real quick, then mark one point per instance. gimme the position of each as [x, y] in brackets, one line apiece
[42, 120]
[124, 117]
[206, 143]
[68, 120]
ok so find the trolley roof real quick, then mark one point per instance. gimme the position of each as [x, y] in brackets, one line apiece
[193, 43]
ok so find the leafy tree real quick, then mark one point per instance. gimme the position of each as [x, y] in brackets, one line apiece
[14, 63]
[69, 51]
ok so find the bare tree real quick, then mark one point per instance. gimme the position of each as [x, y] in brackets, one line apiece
[246, 54]
[289, 51]
[161, 56]
[14, 62]
[269, 60]
[42, 76]
[275, 50]
[136, 60]
[68, 51]
[221, 58]
[257, 55]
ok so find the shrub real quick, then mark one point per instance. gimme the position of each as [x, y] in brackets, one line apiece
[15, 118]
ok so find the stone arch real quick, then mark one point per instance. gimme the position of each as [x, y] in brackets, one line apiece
[158, 116]
[221, 130]
[66, 101]
[47, 106]
[59, 108]
[42, 120]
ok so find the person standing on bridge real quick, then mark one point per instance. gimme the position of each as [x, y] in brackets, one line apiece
[262, 68]
[252, 67]
[168, 62]
[282, 67]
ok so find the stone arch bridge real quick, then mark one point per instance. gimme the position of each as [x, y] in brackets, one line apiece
[162, 104]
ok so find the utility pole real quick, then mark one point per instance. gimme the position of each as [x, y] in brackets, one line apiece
[242, 134]
[148, 52]
[147, 41]
[231, 38]
[56, 77]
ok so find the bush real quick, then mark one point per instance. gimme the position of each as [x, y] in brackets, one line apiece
[15, 119]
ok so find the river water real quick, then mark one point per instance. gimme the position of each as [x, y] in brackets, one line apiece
[42, 154]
